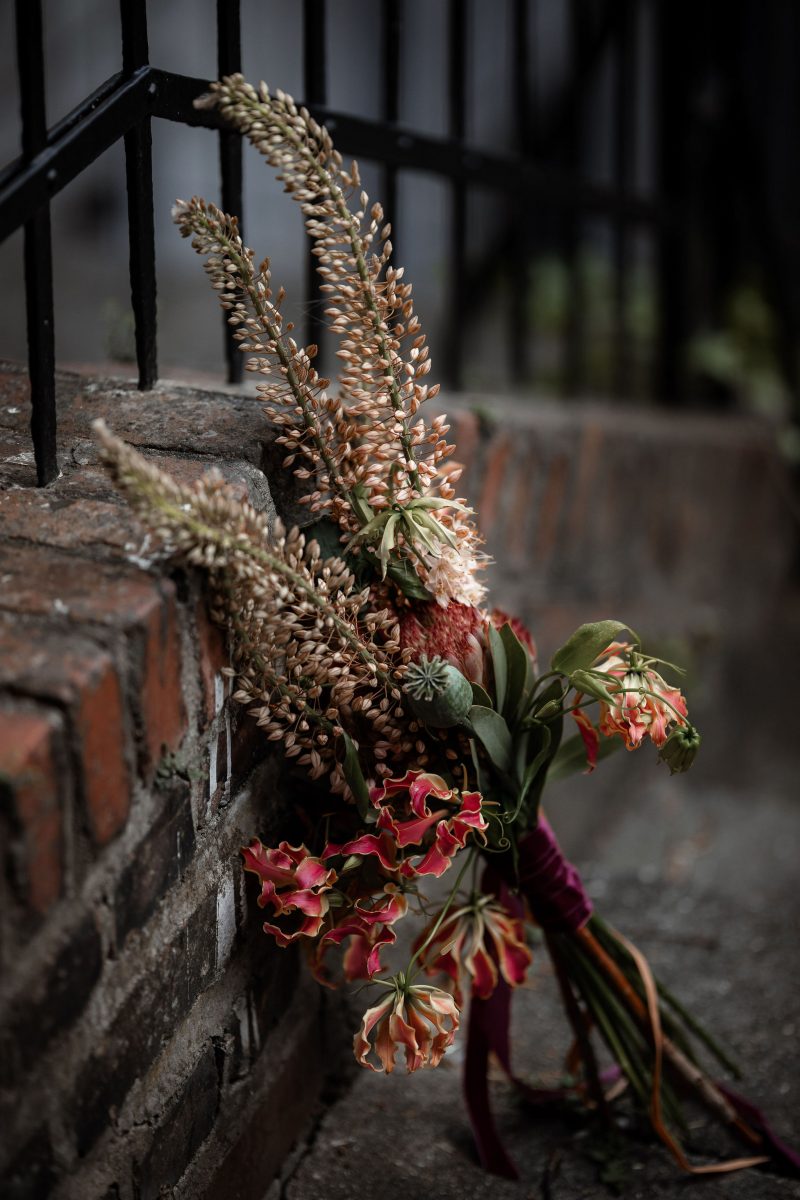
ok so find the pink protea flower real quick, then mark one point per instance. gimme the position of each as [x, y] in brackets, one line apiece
[417, 1018]
[477, 939]
[645, 705]
[454, 632]
[293, 883]
[458, 633]
[406, 820]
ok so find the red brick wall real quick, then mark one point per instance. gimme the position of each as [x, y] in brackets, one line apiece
[151, 1037]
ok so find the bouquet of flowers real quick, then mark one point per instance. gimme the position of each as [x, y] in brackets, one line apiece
[364, 645]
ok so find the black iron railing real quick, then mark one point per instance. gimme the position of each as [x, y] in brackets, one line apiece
[548, 194]
[124, 106]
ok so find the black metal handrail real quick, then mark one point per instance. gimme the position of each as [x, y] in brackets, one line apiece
[125, 104]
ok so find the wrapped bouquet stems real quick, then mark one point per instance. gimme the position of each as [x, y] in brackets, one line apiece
[364, 647]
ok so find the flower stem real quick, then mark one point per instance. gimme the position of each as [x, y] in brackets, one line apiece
[438, 922]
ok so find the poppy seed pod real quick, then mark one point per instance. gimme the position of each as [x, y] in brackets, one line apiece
[438, 693]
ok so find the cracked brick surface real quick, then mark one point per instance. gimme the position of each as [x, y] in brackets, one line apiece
[152, 1041]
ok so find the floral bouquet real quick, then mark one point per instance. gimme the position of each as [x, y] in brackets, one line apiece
[363, 644]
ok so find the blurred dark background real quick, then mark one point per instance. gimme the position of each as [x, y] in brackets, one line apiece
[617, 217]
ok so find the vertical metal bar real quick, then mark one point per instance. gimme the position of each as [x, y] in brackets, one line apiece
[624, 109]
[229, 61]
[139, 179]
[315, 87]
[574, 332]
[458, 13]
[37, 252]
[392, 16]
[519, 322]
[668, 31]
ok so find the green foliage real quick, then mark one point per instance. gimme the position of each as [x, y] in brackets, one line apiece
[493, 733]
[586, 644]
[571, 756]
[356, 781]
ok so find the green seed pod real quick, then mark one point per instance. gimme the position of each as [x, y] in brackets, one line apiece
[438, 693]
[680, 749]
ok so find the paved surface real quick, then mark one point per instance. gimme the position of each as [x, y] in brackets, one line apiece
[704, 880]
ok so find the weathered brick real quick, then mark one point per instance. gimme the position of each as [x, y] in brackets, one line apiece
[158, 862]
[263, 1141]
[43, 582]
[67, 521]
[522, 488]
[53, 1005]
[99, 723]
[78, 674]
[248, 746]
[494, 480]
[466, 433]
[32, 781]
[213, 656]
[162, 706]
[550, 510]
[184, 419]
[190, 1119]
[17, 464]
[160, 1000]
[583, 488]
[274, 976]
[31, 1175]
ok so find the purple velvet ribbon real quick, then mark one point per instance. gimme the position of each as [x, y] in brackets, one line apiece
[558, 902]
[551, 885]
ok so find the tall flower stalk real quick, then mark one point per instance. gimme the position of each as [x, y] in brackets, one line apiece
[376, 667]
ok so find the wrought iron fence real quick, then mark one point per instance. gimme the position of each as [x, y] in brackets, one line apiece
[543, 169]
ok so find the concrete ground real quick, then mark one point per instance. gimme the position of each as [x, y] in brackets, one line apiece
[704, 879]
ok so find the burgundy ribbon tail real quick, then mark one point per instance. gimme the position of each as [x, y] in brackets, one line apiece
[487, 1031]
[556, 898]
[558, 902]
[782, 1157]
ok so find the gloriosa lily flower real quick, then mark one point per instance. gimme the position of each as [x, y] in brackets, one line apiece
[293, 883]
[416, 1018]
[368, 926]
[477, 939]
[406, 820]
[644, 704]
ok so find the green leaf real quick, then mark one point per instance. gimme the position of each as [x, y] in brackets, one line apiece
[586, 643]
[519, 673]
[490, 728]
[554, 727]
[499, 666]
[401, 572]
[421, 517]
[571, 757]
[535, 765]
[356, 781]
[476, 762]
[360, 505]
[433, 502]
[481, 696]
[595, 683]
[387, 541]
[415, 532]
